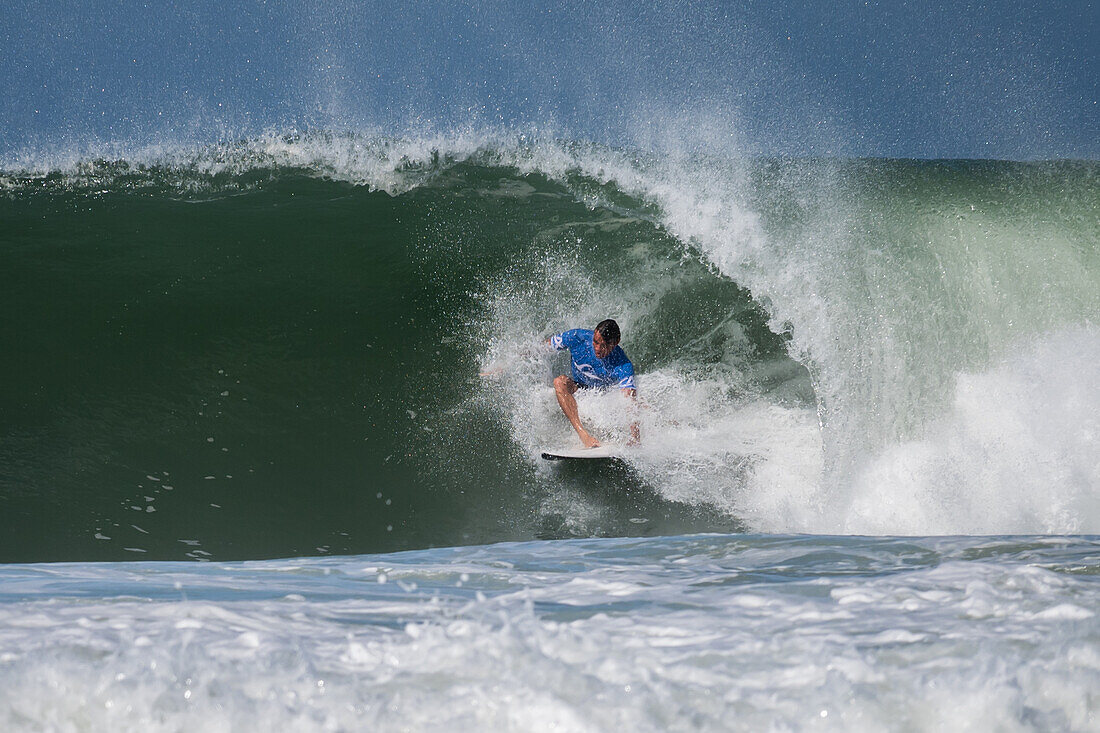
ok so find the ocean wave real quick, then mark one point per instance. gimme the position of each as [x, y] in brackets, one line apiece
[846, 300]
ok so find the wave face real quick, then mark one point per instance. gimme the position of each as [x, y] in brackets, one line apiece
[273, 347]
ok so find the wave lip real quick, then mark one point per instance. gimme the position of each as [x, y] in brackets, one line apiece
[385, 163]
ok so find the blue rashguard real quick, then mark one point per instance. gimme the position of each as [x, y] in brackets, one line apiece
[588, 369]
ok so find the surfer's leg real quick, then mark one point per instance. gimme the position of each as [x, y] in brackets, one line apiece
[564, 387]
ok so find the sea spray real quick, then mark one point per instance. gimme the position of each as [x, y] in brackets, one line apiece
[1016, 449]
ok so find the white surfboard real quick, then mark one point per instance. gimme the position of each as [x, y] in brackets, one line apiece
[560, 454]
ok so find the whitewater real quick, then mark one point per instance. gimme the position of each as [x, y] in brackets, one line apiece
[685, 633]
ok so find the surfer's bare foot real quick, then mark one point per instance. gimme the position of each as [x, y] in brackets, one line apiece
[589, 441]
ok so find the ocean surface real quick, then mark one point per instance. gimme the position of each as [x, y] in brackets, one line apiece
[253, 478]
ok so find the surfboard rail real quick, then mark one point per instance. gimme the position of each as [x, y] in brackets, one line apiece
[562, 454]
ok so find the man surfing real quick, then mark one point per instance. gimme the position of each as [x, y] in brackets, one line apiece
[598, 363]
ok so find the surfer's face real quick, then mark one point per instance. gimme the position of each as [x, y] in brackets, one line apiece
[601, 347]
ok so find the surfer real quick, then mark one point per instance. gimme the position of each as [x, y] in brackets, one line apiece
[598, 363]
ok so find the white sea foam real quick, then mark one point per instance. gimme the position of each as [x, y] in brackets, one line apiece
[706, 633]
[1017, 451]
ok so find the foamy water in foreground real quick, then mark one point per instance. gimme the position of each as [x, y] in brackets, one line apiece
[698, 632]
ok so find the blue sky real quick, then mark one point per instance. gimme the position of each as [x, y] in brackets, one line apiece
[1014, 80]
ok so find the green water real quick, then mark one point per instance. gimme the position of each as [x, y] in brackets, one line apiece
[284, 370]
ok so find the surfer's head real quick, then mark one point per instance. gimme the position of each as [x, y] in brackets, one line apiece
[605, 338]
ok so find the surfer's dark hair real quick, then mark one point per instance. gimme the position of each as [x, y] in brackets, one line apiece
[610, 331]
